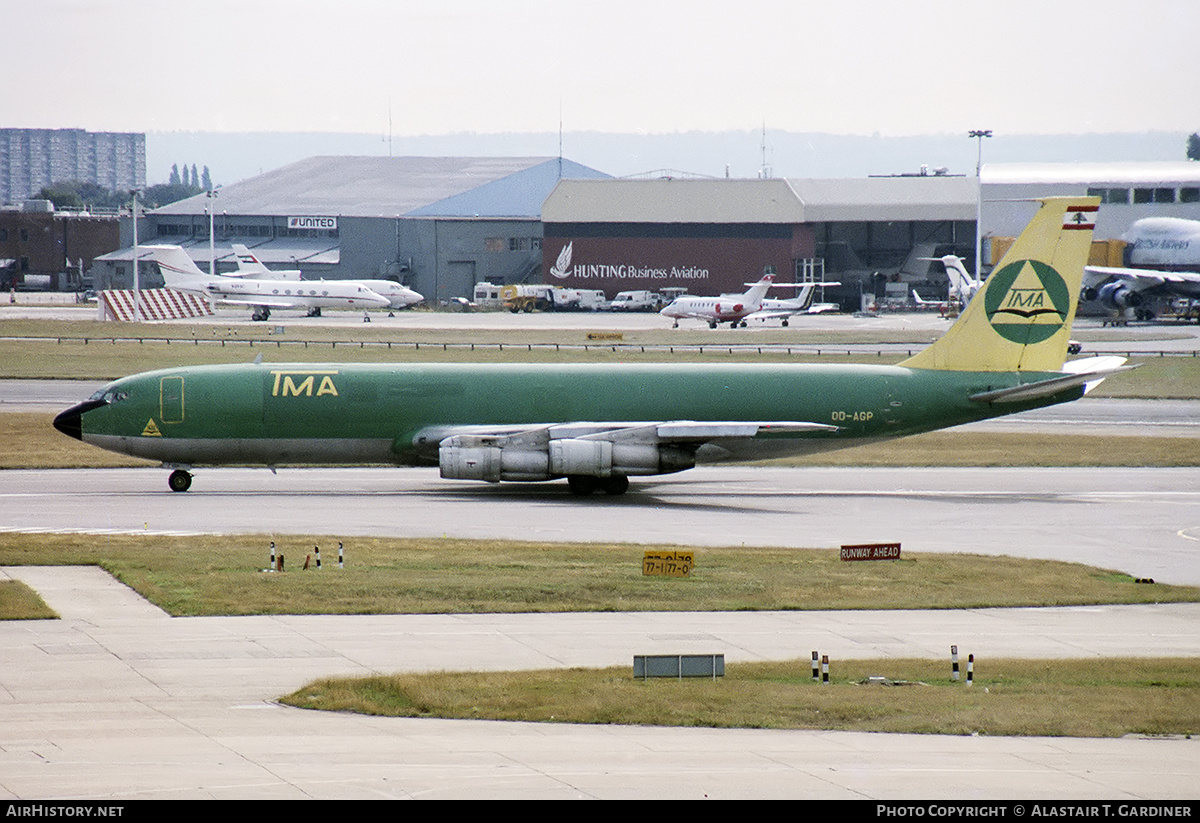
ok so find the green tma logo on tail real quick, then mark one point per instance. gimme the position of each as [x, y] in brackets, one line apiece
[1027, 301]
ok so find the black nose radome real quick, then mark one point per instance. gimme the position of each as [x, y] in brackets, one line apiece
[70, 422]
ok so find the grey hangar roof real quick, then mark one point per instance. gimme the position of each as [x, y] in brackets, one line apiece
[498, 187]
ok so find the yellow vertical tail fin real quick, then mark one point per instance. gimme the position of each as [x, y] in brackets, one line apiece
[1021, 318]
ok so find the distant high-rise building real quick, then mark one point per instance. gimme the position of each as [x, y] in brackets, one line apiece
[31, 159]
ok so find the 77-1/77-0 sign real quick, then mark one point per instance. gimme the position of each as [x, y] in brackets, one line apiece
[670, 564]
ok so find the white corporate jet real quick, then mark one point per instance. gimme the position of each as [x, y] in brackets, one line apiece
[802, 303]
[181, 273]
[736, 309]
[249, 265]
[728, 308]
[962, 285]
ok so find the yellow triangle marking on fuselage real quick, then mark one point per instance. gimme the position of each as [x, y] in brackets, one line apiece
[151, 429]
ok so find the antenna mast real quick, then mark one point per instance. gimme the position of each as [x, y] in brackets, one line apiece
[765, 171]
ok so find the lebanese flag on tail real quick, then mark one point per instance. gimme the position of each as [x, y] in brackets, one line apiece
[1080, 218]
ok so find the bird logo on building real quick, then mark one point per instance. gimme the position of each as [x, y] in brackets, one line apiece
[561, 267]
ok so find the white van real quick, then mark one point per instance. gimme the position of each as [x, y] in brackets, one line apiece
[636, 301]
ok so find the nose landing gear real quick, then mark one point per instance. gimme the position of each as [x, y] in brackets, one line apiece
[180, 481]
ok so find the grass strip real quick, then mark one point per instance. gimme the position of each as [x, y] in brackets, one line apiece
[222, 575]
[19, 602]
[1053, 698]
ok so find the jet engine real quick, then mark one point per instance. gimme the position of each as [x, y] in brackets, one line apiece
[1119, 296]
[472, 457]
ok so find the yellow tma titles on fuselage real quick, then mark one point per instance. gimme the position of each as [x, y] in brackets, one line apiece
[285, 384]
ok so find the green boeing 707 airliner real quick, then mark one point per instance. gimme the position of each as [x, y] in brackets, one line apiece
[599, 425]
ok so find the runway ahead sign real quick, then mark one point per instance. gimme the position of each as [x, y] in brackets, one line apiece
[871, 551]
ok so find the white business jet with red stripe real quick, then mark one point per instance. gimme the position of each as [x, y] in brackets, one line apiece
[728, 308]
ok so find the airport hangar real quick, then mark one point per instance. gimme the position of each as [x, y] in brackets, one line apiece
[436, 224]
[712, 236]
[442, 224]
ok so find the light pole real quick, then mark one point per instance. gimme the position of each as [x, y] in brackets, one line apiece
[978, 135]
[137, 283]
[211, 194]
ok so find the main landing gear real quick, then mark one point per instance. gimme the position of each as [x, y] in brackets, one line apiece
[582, 485]
[180, 481]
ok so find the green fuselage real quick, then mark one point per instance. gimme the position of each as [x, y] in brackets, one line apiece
[305, 413]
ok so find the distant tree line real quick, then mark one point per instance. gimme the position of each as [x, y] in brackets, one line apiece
[76, 194]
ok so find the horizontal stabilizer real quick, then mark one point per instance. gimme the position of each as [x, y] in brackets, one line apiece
[1087, 373]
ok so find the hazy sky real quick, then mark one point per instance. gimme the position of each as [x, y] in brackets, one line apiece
[854, 67]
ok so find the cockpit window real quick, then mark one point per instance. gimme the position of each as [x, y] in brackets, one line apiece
[110, 395]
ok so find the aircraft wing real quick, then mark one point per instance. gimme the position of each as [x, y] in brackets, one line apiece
[1140, 278]
[773, 314]
[271, 303]
[631, 433]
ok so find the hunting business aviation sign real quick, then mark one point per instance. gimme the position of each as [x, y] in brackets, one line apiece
[564, 268]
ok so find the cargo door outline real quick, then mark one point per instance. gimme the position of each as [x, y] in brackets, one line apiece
[170, 400]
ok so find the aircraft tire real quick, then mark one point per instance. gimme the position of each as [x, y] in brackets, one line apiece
[582, 485]
[617, 484]
[179, 481]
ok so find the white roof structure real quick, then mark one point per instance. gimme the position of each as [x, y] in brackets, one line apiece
[774, 200]
[1092, 174]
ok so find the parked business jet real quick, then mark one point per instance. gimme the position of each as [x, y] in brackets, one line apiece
[962, 285]
[397, 295]
[938, 305]
[181, 273]
[802, 303]
[249, 265]
[1164, 257]
[733, 309]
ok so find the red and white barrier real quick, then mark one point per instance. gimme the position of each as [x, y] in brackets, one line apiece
[156, 304]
